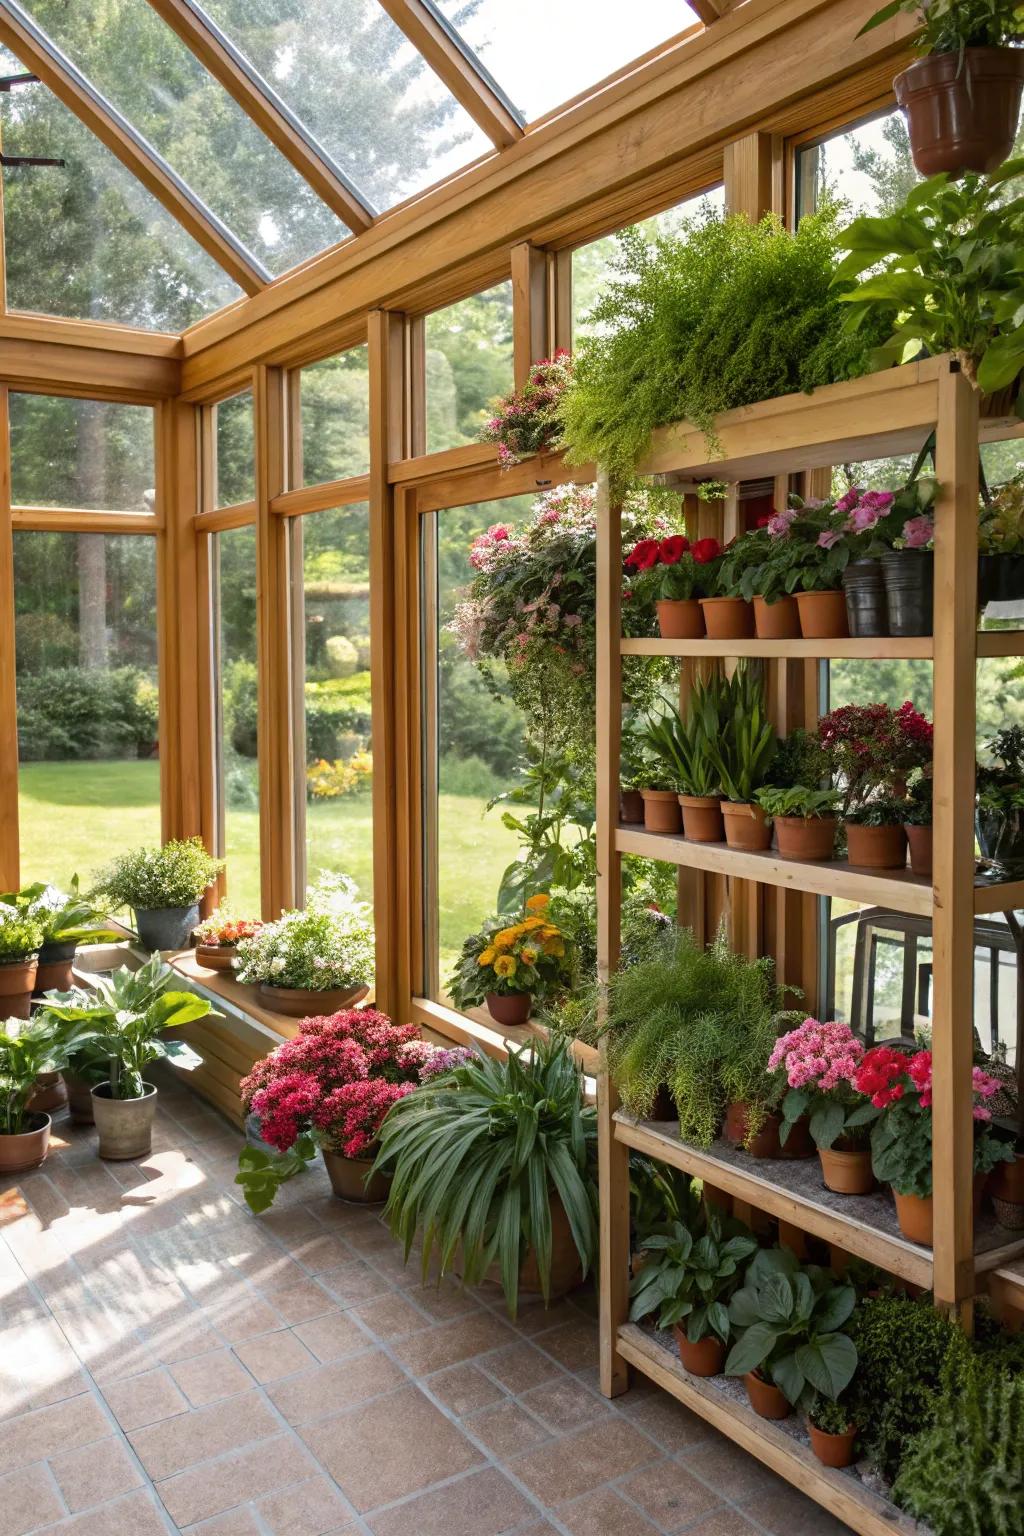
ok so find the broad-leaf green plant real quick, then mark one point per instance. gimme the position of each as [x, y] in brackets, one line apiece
[791, 1321]
[65, 917]
[689, 1277]
[27, 1047]
[798, 800]
[950, 26]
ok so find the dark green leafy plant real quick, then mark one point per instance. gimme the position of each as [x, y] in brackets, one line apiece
[800, 760]
[902, 1346]
[832, 1418]
[791, 1320]
[683, 745]
[480, 1154]
[950, 26]
[798, 801]
[886, 811]
[741, 753]
[659, 1196]
[689, 1277]
[27, 1047]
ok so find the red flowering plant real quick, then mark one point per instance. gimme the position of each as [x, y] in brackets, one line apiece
[899, 1085]
[871, 749]
[222, 930]
[672, 568]
[330, 1087]
[526, 421]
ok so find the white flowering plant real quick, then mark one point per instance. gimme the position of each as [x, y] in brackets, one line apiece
[327, 944]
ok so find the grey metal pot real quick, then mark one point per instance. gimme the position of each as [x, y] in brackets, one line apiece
[864, 586]
[166, 927]
[909, 581]
[125, 1125]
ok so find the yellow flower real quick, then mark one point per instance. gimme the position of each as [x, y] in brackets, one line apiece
[554, 947]
[505, 939]
[531, 924]
[505, 966]
[487, 956]
[529, 956]
[538, 903]
[549, 931]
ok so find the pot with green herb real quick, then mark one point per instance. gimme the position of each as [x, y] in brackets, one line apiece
[917, 823]
[67, 919]
[163, 887]
[875, 834]
[28, 1048]
[1001, 544]
[804, 820]
[999, 817]
[832, 1432]
[741, 757]
[21, 938]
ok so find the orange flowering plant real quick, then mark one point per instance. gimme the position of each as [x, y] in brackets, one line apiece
[223, 930]
[527, 953]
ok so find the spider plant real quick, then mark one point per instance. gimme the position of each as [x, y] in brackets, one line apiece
[682, 744]
[742, 752]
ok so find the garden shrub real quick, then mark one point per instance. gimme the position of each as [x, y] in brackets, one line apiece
[80, 712]
[335, 708]
[902, 1348]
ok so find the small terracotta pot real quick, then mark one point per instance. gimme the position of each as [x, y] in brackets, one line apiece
[915, 1212]
[79, 1099]
[217, 957]
[1007, 1181]
[702, 818]
[727, 618]
[776, 621]
[53, 972]
[125, 1125]
[49, 1094]
[680, 618]
[17, 979]
[833, 1450]
[348, 1176]
[662, 812]
[766, 1143]
[20, 1153]
[961, 112]
[746, 827]
[765, 1397]
[822, 615]
[847, 1173]
[631, 807]
[876, 847]
[703, 1359]
[810, 838]
[509, 1008]
[304, 1003]
[920, 840]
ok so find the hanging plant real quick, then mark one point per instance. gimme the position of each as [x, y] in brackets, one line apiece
[526, 421]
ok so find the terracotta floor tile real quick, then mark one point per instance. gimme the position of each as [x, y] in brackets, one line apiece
[236, 1522]
[207, 1378]
[423, 1448]
[332, 1336]
[450, 1343]
[215, 1486]
[669, 1495]
[674, 1427]
[534, 1317]
[144, 1399]
[785, 1512]
[299, 1300]
[95, 1474]
[729, 1470]
[177, 1443]
[324, 1250]
[729, 1522]
[573, 1344]
[564, 1404]
[27, 1500]
[565, 1469]
[352, 1283]
[483, 1504]
[134, 1515]
[464, 1389]
[390, 1316]
[242, 1316]
[312, 1508]
[442, 1303]
[273, 1355]
[329, 1388]
[603, 1513]
[506, 1429]
[520, 1367]
[46, 1431]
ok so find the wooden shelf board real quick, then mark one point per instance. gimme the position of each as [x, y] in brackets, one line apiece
[1006, 896]
[1001, 642]
[781, 1445]
[916, 648]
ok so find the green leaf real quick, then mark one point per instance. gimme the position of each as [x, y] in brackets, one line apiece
[828, 1363]
[1003, 360]
[788, 1376]
[827, 1123]
[751, 1349]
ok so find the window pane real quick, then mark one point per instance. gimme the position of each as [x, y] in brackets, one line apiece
[332, 552]
[168, 96]
[334, 411]
[236, 450]
[233, 583]
[469, 362]
[81, 453]
[868, 167]
[87, 241]
[582, 41]
[349, 73]
[85, 618]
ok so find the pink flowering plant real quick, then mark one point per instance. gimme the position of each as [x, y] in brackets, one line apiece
[784, 554]
[865, 523]
[526, 421]
[820, 1062]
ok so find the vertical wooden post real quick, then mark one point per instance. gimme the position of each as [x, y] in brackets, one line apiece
[613, 1157]
[752, 172]
[186, 772]
[529, 309]
[956, 548]
[9, 847]
[559, 302]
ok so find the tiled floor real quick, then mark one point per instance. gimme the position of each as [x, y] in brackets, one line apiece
[170, 1363]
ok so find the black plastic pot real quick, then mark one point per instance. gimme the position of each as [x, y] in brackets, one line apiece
[909, 584]
[1000, 579]
[1001, 837]
[864, 586]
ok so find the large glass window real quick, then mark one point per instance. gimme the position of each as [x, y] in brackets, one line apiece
[236, 450]
[334, 417]
[233, 585]
[81, 453]
[469, 362]
[868, 167]
[85, 620]
[331, 565]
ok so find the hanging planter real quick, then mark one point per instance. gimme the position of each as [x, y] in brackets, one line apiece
[961, 108]
[909, 582]
[864, 589]
[779, 620]
[822, 615]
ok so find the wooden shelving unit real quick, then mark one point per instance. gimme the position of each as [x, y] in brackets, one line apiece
[884, 414]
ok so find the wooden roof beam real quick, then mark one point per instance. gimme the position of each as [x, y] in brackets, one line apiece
[36, 51]
[459, 69]
[260, 102]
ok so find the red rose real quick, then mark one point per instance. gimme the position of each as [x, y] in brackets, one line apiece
[705, 550]
[643, 555]
[672, 549]
[763, 521]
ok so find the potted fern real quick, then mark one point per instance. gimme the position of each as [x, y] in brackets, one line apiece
[741, 756]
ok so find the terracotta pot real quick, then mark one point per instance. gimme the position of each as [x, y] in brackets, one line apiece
[847, 1173]
[822, 615]
[766, 1143]
[125, 1125]
[962, 113]
[303, 1003]
[509, 1008]
[49, 1094]
[920, 840]
[631, 807]
[727, 618]
[776, 621]
[810, 838]
[20, 1153]
[17, 978]
[79, 1099]
[703, 1359]
[746, 826]
[217, 957]
[876, 847]
[833, 1450]
[914, 1212]
[661, 810]
[348, 1176]
[53, 972]
[680, 618]
[566, 1269]
[1007, 1181]
[702, 818]
[765, 1397]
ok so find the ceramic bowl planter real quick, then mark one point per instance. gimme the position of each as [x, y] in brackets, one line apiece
[810, 838]
[705, 1358]
[864, 589]
[125, 1125]
[1006, 1187]
[822, 615]
[54, 969]
[17, 979]
[509, 1009]
[631, 807]
[766, 1398]
[876, 847]
[920, 841]
[833, 1450]
[79, 1099]
[776, 621]
[909, 585]
[847, 1172]
[305, 1003]
[680, 618]
[727, 618]
[49, 1094]
[662, 812]
[962, 111]
[348, 1176]
[746, 826]
[28, 1149]
[217, 957]
[702, 818]
[166, 927]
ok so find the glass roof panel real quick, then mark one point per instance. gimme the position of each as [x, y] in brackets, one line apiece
[583, 41]
[136, 61]
[88, 242]
[360, 87]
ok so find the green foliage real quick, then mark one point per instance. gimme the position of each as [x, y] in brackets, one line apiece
[686, 748]
[147, 879]
[334, 709]
[950, 26]
[722, 314]
[27, 1047]
[79, 712]
[480, 1153]
[886, 811]
[791, 1320]
[741, 752]
[547, 857]
[1001, 523]
[800, 760]
[798, 800]
[831, 1417]
[902, 1345]
[659, 1196]
[20, 936]
[691, 1276]
[325, 945]
[65, 917]
[262, 1171]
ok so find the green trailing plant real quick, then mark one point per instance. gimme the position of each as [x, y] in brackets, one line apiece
[791, 1320]
[800, 760]
[689, 1277]
[950, 26]
[480, 1154]
[151, 879]
[798, 800]
[741, 753]
[65, 917]
[917, 811]
[20, 938]
[27, 1047]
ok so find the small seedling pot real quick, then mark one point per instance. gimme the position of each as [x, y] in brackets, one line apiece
[680, 618]
[705, 1358]
[810, 838]
[776, 621]
[702, 818]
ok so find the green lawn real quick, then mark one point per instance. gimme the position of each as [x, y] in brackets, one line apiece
[75, 815]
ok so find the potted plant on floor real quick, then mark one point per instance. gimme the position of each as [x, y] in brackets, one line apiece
[741, 757]
[675, 574]
[1007, 1190]
[872, 750]
[314, 960]
[790, 1344]
[21, 939]
[494, 1170]
[917, 823]
[832, 1432]
[804, 820]
[1001, 544]
[999, 818]
[509, 963]
[688, 1278]
[163, 887]
[67, 919]
[962, 98]
[27, 1049]
[820, 1063]
[218, 937]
